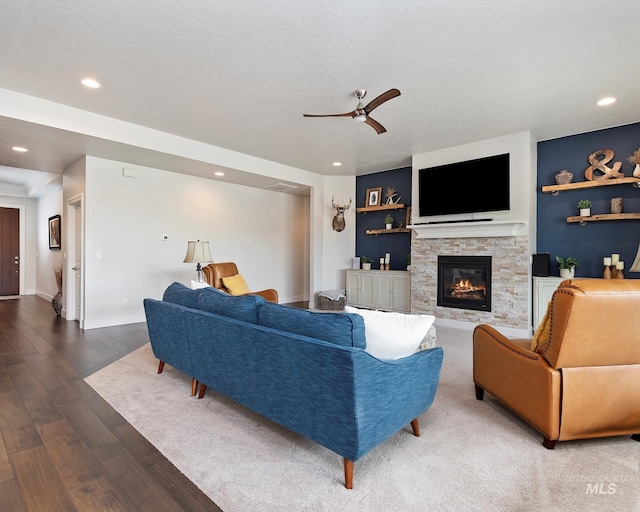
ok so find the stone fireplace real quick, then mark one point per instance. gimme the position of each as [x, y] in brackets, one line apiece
[509, 278]
[464, 282]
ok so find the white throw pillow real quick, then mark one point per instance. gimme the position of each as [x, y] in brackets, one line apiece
[392, 335]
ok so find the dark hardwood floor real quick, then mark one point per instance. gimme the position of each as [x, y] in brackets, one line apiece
[62, 447]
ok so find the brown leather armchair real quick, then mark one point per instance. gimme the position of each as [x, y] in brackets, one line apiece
[214, 272]
[584, 380]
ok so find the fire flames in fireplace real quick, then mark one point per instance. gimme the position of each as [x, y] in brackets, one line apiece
[464, 289]
[464, 282]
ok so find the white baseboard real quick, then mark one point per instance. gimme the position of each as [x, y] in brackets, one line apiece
[43, 295]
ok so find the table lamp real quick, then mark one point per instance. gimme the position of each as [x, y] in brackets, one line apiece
[198, 252]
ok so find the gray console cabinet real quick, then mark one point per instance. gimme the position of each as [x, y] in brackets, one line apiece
[388, 290]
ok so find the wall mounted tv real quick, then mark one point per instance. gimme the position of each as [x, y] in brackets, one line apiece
[473, 186]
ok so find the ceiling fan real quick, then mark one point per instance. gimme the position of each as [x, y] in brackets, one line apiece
[361, 113]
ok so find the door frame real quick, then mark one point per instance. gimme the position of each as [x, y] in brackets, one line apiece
[23, 241]
[69, 293]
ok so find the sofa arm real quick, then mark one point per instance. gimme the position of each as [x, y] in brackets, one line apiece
[519, 378]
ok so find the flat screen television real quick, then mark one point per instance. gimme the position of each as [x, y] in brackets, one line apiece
[473, 186]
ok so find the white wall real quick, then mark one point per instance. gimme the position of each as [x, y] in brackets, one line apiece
[28, 240]
[339, 247]
[179, 152]
[48, 205]
[262, 231]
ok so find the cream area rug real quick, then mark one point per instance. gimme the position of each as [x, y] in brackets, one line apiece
[472, 455]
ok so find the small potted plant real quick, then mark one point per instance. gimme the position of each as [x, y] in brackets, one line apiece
[584, 205]
[388, 221]
[366, 262]
[567, 266]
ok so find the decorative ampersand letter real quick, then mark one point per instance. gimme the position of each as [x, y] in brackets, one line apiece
[599, 164]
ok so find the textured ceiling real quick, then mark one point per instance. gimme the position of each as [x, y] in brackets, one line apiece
[240, 74]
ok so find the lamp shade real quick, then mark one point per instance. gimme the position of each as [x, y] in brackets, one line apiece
[198, 252]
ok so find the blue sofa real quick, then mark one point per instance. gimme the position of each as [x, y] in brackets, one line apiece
[307, 371]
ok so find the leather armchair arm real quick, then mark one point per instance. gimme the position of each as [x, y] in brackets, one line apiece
[519, 378]
[269, 295]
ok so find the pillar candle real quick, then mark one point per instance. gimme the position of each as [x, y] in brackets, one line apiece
[387, 257]
[620, 265]
[381, 262]
[615, 258]
[607, 262]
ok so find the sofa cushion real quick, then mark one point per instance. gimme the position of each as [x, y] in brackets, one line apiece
[339, 328]
[236, 285]
[243, 308]
[392, 335]
[177, 293]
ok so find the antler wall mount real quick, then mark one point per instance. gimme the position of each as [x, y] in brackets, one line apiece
[361, 112]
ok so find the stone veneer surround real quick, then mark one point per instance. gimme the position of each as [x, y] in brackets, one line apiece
[509, 278]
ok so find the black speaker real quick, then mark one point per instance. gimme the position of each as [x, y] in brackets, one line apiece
[541, 264]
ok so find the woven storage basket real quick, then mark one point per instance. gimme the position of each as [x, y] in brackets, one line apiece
[325, 303]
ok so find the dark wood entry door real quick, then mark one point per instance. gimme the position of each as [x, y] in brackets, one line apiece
[9, 251]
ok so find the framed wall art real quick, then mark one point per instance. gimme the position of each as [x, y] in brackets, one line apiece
[54, 232]
[374, 196]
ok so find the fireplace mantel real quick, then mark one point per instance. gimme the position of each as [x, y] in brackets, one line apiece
[471, 229]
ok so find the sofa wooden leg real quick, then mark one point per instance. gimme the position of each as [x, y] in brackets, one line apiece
[194, 386]
[479, 393]
[348, 473]
[548, 443]
[161, 367]
[415, 427]
[635, 437]
[203, 388]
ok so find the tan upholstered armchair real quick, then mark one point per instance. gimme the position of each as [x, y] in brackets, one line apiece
[583, 380]
[215, 272]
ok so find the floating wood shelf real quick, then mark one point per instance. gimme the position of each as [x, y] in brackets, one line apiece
[605, 216]
[387, 231]
[589, 184]
[394, 206]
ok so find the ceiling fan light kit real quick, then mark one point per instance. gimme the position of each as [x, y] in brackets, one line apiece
[361, 112]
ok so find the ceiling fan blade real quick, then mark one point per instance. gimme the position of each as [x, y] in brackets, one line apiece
[375, 125]
[346, 114]
[385, 96]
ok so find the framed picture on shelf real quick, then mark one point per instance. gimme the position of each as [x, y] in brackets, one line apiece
[407, 221]
[374, 196]
[54, 232]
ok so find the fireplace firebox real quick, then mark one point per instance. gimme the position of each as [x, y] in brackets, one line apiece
[464, 282]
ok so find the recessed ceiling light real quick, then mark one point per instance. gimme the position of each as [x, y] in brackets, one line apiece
[19, 149]
[606, 101]
[219, 173]
[90, 82]
[337, 164]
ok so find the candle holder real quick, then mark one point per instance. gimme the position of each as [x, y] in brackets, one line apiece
[607, 272]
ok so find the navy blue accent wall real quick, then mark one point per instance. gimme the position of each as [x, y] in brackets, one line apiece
[590, 243]
[375, 246]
